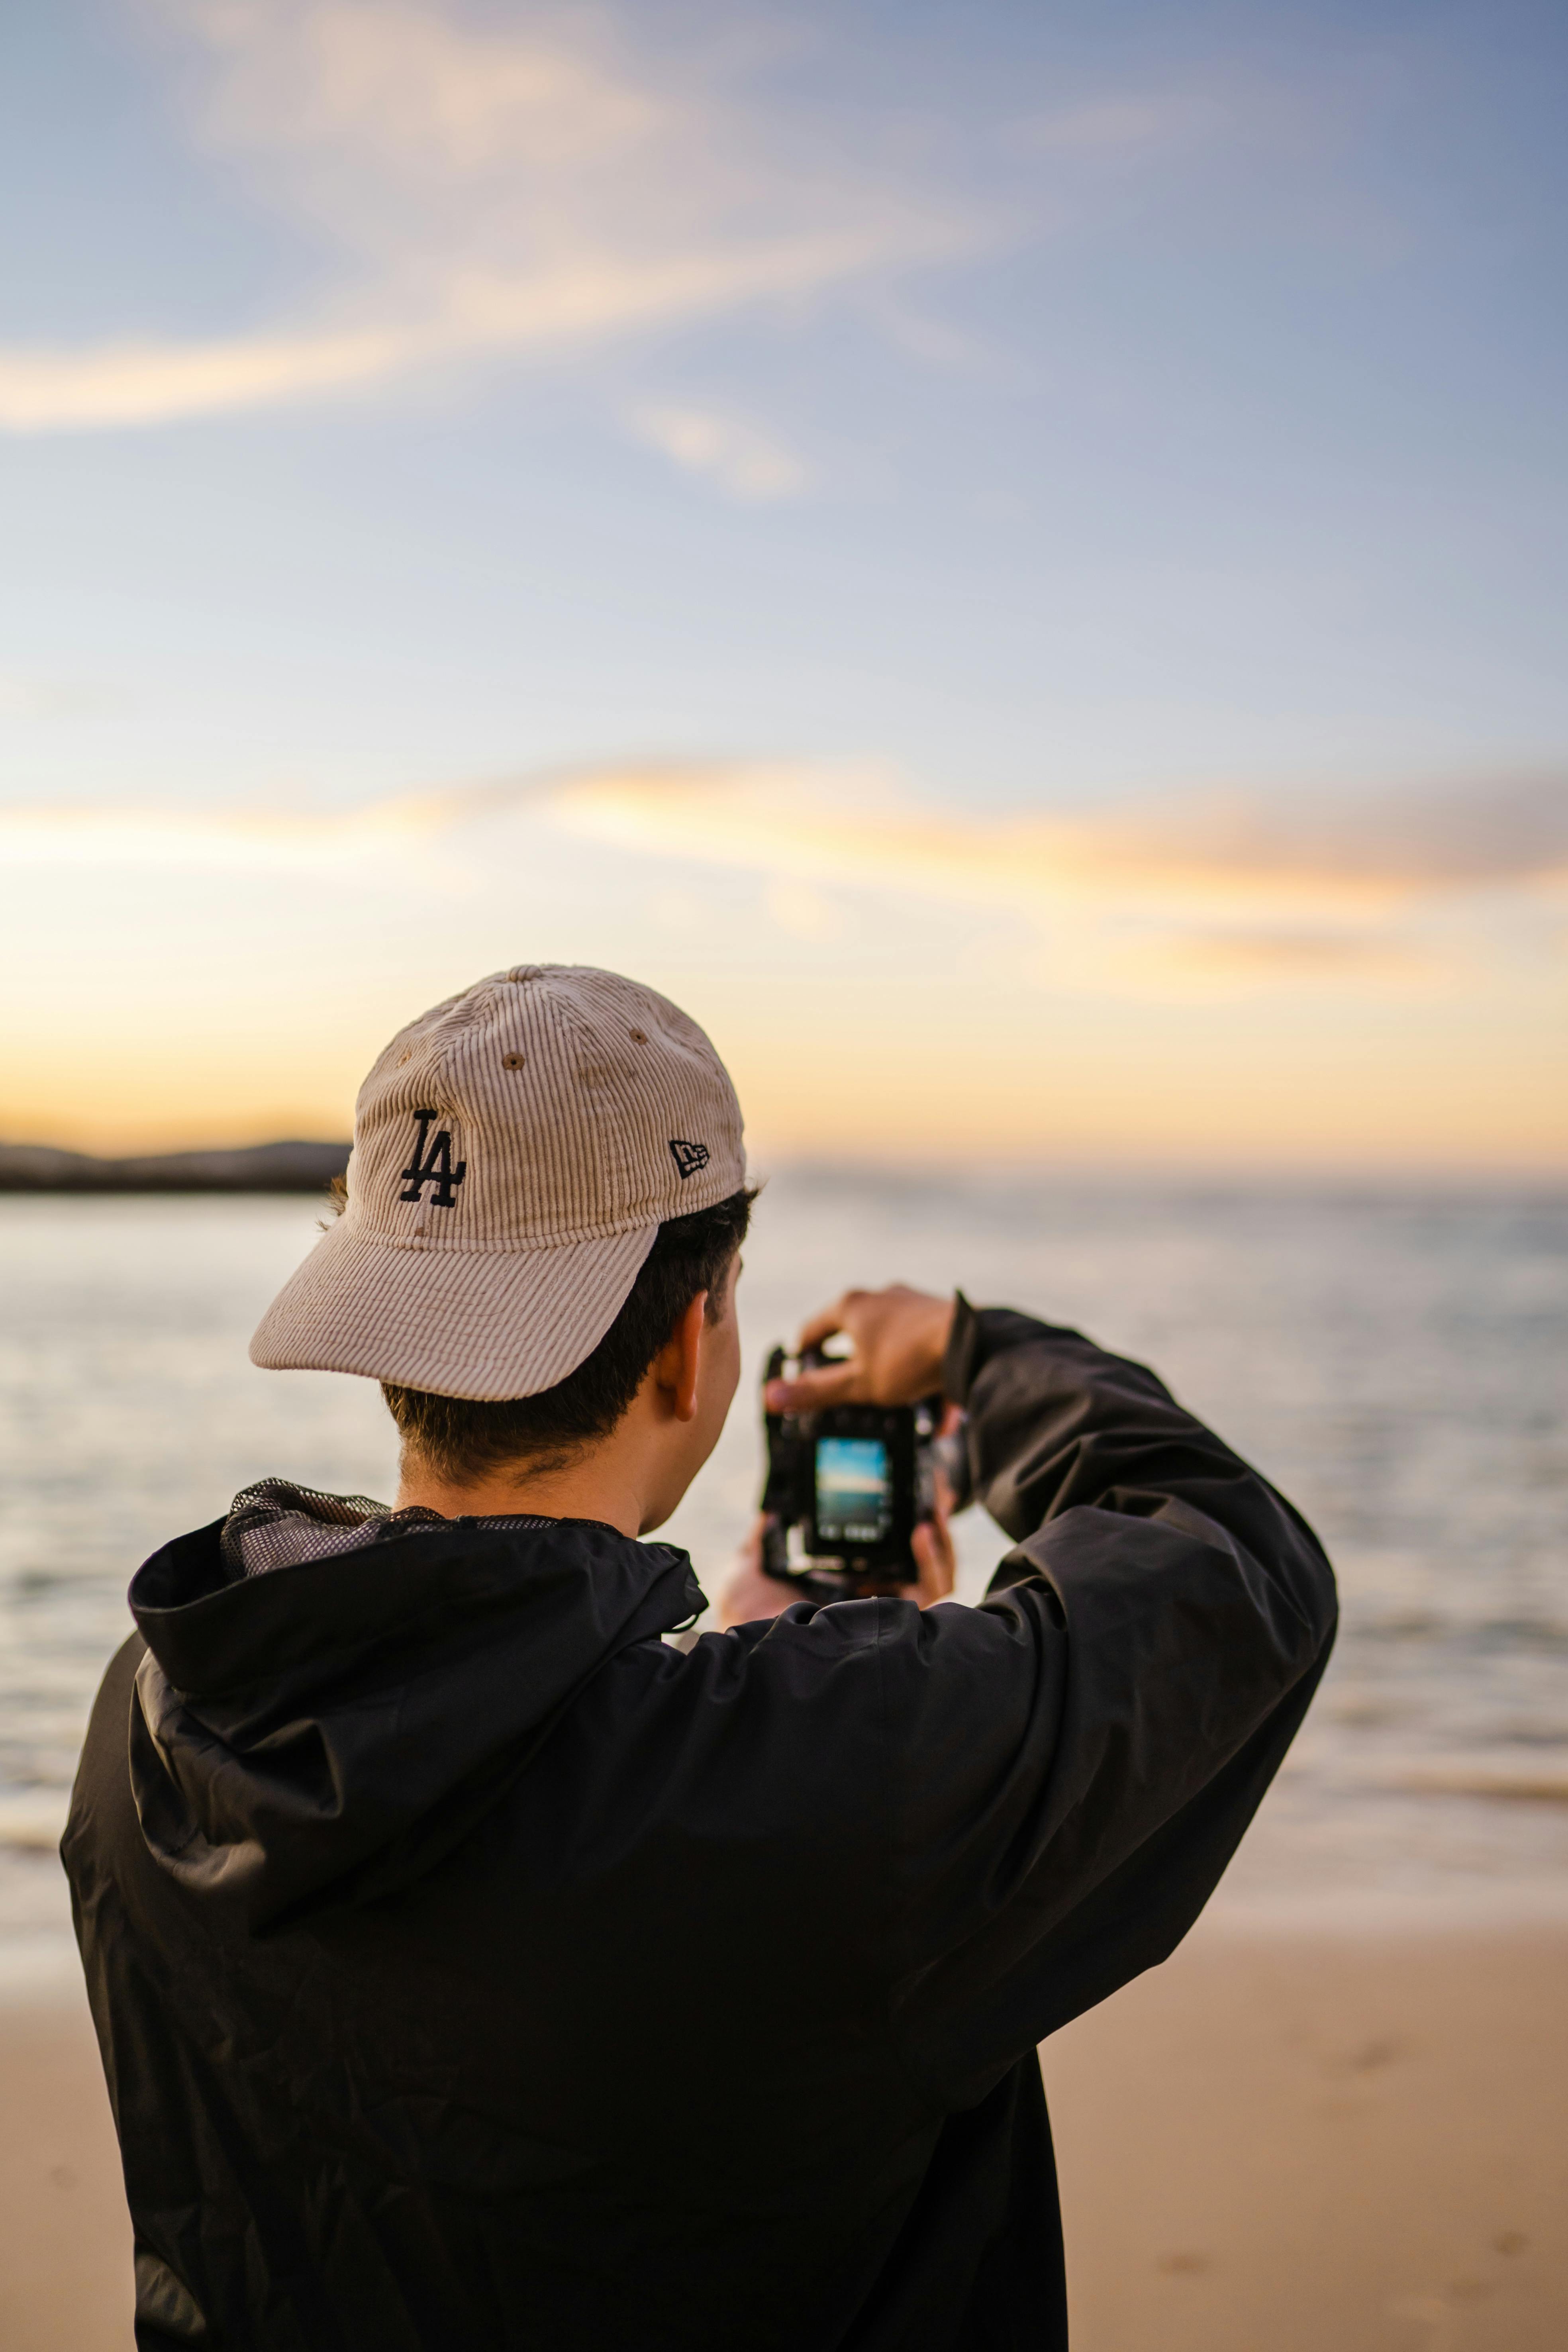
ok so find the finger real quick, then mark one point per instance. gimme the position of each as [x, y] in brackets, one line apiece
[826, 1323]
[933, 1548]
[833, 1384]
[934, 1558]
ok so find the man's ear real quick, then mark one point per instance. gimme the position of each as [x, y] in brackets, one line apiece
[679, 1361]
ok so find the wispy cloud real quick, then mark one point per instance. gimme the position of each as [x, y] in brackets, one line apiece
[238, 841]
[1227, 891]
[1222, 849]
[742, 458]
[525, 189]
[854, 823]
[1289, 954]
[154, 384]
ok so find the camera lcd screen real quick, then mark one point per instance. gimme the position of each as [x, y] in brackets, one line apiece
[854, 1490]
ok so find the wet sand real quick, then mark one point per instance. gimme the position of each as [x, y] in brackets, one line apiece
[1332, 2144]
[1276, 2143]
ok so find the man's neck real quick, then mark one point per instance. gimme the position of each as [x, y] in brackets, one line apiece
[595, 1486]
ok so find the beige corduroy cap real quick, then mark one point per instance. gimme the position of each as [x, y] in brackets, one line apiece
[515, 1150]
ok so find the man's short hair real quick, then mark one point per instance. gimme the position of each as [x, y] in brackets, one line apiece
[460, 1438]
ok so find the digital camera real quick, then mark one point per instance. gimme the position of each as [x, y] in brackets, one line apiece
[846, 1487]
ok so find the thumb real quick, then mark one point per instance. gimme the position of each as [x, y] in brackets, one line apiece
[932, 1548]
[833, 1384]
[750, 1553]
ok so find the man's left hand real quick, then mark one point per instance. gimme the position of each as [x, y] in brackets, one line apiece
[751, 1595]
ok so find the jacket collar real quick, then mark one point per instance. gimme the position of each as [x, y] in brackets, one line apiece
[327, 1730]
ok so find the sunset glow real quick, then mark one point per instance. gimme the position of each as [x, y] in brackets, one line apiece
[1013, 566]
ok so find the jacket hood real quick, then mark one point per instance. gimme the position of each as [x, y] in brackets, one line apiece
[329, 1731]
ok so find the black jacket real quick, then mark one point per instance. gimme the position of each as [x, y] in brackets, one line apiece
[473, 1969]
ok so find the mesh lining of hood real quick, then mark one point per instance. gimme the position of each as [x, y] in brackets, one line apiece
[277, 1523]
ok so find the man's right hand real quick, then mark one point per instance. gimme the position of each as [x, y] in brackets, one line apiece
[899, 1337]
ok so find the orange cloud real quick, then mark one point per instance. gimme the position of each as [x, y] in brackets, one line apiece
[1317, 873]
[1220, 850]
[1293, 954]
[1090, 982]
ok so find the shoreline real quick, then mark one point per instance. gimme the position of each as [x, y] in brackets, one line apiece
[30, 1170]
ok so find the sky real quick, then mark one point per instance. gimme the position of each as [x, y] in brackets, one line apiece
[1010, 558]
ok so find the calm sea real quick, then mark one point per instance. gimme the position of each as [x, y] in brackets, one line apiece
[1397, 1364]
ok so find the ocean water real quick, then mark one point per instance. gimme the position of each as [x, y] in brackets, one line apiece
[1397, 1363]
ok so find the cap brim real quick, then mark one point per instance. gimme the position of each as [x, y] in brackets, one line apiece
[481, 1324]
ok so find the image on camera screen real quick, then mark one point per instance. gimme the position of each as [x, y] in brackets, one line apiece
[854, 1490]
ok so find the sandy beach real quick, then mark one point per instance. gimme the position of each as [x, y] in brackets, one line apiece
[1277, 2143]
[1288, 2143]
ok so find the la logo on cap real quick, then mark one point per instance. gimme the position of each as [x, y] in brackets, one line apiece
[434, 1167]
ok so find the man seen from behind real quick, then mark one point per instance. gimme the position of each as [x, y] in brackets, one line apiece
[473, 1967]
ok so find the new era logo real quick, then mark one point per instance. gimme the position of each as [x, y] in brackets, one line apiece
[687, 1157]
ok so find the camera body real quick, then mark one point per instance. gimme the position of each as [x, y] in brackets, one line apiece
[849, 1484]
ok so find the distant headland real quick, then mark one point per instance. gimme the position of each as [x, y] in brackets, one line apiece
[261, 1167]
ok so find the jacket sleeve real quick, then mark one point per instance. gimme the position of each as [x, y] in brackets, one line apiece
[1076, 1758]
